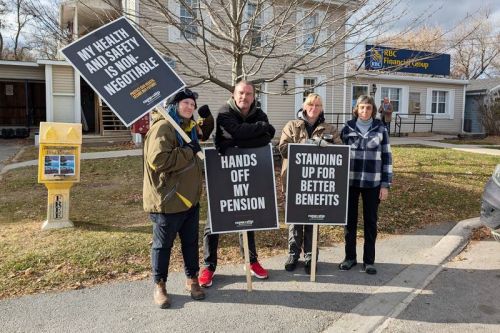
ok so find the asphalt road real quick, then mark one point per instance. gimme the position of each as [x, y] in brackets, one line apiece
[286, 302]
[8, 148]
[464, 296]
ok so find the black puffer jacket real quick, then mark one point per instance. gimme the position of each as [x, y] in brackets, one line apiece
[234, 130]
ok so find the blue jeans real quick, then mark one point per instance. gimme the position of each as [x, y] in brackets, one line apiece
[165, 229]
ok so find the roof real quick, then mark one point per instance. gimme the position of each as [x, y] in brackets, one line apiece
[485, 85]
[18, 63]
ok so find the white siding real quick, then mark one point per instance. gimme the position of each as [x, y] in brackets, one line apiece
[280, 108]
[63, 109]
[63, 94]
[450, 124]
[63, 80]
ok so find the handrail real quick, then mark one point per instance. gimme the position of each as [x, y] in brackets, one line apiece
[400, 121]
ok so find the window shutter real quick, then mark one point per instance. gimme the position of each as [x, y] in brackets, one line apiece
[321, 90]
[299, 88]
[428, 104]
[450, 103]
[174, 34]
[206, 18]
[267, 18]
[300, 29]
[323, 33]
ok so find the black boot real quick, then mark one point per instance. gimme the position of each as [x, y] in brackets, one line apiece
[291, 263]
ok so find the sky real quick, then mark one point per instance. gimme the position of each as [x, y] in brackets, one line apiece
[444, 13]
[448, 13]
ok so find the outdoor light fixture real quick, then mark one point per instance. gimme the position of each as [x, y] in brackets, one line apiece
[374, 89]
[285, 85]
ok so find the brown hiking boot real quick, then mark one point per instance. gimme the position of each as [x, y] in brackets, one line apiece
[160, 295]
[194, 288]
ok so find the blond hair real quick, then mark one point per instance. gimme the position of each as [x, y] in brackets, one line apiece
[310, 99]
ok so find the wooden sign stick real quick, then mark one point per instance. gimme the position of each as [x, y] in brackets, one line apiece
[314, 252]
[183, 134]
[247, 261]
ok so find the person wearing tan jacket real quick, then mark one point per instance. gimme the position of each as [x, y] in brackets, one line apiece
[385, 111]
[309, 128]
[171, 191]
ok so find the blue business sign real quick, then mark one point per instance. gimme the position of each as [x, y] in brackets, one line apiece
[408, 61]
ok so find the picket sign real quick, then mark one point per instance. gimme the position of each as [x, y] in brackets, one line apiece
[247, 261]
[314, 252]
[179, 130]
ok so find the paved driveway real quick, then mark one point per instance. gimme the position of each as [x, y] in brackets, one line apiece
[8, 148]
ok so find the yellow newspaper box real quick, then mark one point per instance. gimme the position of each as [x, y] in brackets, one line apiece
[59, 168]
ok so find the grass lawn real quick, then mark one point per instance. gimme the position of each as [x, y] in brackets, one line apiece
[111, 237]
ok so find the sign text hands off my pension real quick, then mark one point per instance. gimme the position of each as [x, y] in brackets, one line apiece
[112, 54]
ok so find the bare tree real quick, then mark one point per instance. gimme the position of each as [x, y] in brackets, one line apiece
[3, 12]
[477, 54]
[22, 17]
[46, 33]
[258, 40]
[490, 113]
[426, 38]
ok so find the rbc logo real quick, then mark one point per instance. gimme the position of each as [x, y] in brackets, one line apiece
[376, 59]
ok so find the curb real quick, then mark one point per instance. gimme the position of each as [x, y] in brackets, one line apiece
[376, 312]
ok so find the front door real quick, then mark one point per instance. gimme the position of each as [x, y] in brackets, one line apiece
[88, 108]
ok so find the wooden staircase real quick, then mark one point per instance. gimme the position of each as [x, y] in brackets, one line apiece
[110, 124]
[112, 130]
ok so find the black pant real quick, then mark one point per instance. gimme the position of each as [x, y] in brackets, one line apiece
[387, 125]
[165, 229]
[211, 243]
[371, 201]
[300, 235]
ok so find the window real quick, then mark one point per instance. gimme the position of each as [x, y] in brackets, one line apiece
[438, 105]
[394, 95]
[309, 87]
[358, 91]
[188, 15]
[310, 36]
[255, 23]
[304, 85]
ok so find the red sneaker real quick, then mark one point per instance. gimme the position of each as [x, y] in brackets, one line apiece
[206, 277]
[258, 270]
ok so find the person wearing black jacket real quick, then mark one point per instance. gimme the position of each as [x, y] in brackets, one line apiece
[240, 123]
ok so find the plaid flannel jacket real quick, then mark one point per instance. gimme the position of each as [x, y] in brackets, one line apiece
[371, 158]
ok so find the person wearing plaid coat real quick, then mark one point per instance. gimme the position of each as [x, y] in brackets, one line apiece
[370, 178]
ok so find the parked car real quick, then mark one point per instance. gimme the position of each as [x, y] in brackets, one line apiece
[490, 206]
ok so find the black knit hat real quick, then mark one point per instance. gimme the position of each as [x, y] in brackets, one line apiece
[183, 94]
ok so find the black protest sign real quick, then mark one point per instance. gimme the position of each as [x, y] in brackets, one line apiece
[317, 184]
[241, 189]
[129, 75]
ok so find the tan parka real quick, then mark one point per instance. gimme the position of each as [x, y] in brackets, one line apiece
[172, 174]
[295, 132]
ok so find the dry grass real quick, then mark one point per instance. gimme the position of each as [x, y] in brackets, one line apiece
[111, 237]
